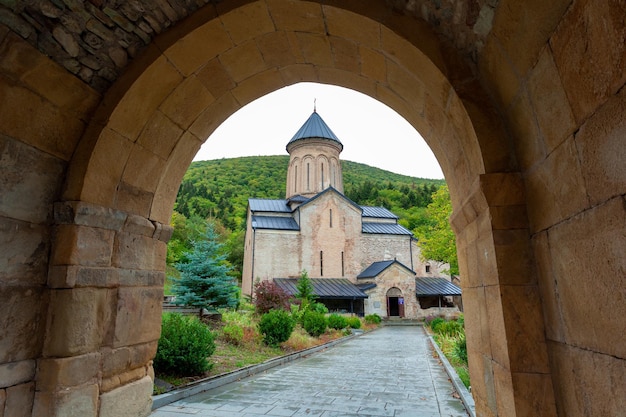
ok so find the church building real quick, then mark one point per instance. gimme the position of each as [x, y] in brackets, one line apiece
[359, 258]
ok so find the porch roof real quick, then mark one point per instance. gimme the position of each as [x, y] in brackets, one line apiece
[429, 286]
[329, 288]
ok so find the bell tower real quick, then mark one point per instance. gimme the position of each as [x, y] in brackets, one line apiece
[314, 163]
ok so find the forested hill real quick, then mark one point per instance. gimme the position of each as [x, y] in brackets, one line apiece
[219, 189]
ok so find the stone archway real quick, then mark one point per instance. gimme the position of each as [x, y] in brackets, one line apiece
[502, 130]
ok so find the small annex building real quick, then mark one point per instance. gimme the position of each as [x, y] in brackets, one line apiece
[359, 258]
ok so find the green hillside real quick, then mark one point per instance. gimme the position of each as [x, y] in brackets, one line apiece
[219, 190]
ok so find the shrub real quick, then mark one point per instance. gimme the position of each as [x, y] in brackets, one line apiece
[436, 322]
[459, 351]
[233, 334]
[337, 322]
[276, 327]
[450, 328]
[373, 319]
[269, 296]
[354, 322]
[184, 346]
[318, 307]
[314, 323]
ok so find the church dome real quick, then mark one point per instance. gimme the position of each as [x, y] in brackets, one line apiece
[315, 128]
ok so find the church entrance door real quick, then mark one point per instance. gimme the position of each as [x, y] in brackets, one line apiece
[395, 303]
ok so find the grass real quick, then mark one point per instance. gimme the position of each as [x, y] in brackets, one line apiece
[447, 344]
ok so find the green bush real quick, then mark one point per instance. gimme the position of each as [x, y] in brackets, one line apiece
[337, 322]
[319, 308]
[233, 334]
[184, 346]
[459, 351]
[450, 328]
[276, 327]
[354, 322]
[373, 319]
[436, 322]
[314, 323]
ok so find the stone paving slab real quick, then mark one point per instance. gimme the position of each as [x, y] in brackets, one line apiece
[390, 372]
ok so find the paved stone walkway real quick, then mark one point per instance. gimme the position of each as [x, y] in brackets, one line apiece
[390, 372]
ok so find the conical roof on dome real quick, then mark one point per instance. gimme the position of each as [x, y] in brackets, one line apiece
[315, 127]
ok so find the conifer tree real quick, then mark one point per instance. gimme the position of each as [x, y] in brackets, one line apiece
[204, 281]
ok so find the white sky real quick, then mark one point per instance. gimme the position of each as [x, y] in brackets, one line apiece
[371, 132]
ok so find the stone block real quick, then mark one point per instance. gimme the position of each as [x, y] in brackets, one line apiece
[163, 232]
[53, 131]
[534, 394]
[498, 72]
[186, 102]
[138, 278]
[293, 74]
[600, 145]
[213, 116]
[115, 361]
[139, 225]
[75, 402]
[554, 115]
[175, 168]
[22, 322]
[503, 390]
[498, 331]
[70, 276]
[315, 49]
[138, 315]
[588, 261]
[348, 25]
[408, 87]
[142, 354]
[143, 169]
[589, 52]
[525, 335]
[106, 166]
[206, 42]
[133, 399]
[133, 251]
[133, 199]
[3, 400]
[109, 384]
[54, 374]
[15, 373]
[294, 16]
[19, 400]
[550, 202]
[345, 55]
[86, 214]
[547, 288]
[276, 49]
[502, 189]
[487, 267]
[514, 257]
[347, 79]
[509, 217]
[80, 320]
[257, 86]
[215, 78]
[88, 246]
[529, 146]
[141, 100]
[243, 61]
[373, 64]
[41, 181]
[160, 135]
[247, 22]
[587, 383]
[24, 253]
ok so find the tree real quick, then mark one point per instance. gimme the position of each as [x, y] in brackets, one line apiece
[305, 289]
[204, 281]
[436, 239]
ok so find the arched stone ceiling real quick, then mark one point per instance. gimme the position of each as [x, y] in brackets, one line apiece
[96, 39]
[154, 119]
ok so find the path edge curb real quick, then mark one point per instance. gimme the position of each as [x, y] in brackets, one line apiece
[219, 380]
[466, 396]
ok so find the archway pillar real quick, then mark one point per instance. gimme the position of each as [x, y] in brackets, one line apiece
[106, 290]
[509, 365]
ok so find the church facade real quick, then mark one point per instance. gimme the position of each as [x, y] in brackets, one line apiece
[359, 258]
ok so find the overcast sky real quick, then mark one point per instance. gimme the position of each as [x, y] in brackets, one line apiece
[371, 132]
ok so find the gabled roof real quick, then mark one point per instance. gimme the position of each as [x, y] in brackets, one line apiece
[379, 212]
[333, 288]
[377, 268]
[385, 229]
[275, 223]
[332, 189]
[265, 205]
[315, 127]
[429, 286]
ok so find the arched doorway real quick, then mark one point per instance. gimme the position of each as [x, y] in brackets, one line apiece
[395, 303]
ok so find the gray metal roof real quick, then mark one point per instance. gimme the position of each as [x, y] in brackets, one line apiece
[333, 288]
[429, 286]
[385, 229]
[366, 286]
[380, 212]
[377, 267]
[275, 223]
[265, 205]
[315, 127]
